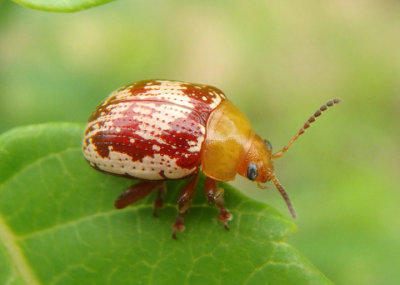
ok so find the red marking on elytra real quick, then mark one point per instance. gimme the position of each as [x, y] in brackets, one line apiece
[121, 134]
[181, 135]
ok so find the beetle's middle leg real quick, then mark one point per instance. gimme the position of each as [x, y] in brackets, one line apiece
[184, 202]
[215, 195]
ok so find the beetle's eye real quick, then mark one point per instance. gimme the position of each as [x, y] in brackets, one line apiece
[252, 171]
[268, 145]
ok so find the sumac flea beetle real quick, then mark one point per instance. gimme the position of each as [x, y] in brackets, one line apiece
[156, 130]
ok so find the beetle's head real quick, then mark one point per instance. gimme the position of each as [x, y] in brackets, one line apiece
[257, 166]
[257, 163]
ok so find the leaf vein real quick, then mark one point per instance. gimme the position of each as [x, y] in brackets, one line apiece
[33, 163]
[9, 240]
[97, 215]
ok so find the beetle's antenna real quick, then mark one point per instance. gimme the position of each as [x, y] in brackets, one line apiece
[305, 126]
[285, 196]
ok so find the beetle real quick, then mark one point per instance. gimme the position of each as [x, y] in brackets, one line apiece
[157, 130]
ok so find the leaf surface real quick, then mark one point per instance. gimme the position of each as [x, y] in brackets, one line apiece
[58, 226]
[61, 5]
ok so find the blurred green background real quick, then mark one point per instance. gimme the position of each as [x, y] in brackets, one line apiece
[278, 62]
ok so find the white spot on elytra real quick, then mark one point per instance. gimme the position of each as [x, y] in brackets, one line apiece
[149, 167]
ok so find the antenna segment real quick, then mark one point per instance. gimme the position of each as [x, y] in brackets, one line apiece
[305, 126]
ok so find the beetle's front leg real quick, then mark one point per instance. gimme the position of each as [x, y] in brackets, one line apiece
[215, 195]
[184, 201]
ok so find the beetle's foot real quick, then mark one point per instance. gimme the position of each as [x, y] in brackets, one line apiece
[184, 201]
[215, 195]
[159, 201]
[224, 216]
[178, 226]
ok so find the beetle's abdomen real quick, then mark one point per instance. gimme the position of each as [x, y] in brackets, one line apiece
[151, 129]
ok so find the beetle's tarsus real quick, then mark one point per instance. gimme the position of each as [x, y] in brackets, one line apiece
[178, 226]
[184, 202]
[224, 216]
[215, 195]
[226, 226]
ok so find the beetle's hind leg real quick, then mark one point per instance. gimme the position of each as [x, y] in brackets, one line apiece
[215, 195]
[139, 191]
[184, 202]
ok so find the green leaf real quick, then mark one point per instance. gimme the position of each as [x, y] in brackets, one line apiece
[61, 5]
[58, 226]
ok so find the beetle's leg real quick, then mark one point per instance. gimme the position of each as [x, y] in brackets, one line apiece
[136, 192]
[159, 202]
[215, 195]
[184, 202]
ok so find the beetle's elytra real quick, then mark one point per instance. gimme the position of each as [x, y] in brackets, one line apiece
[156, 130]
